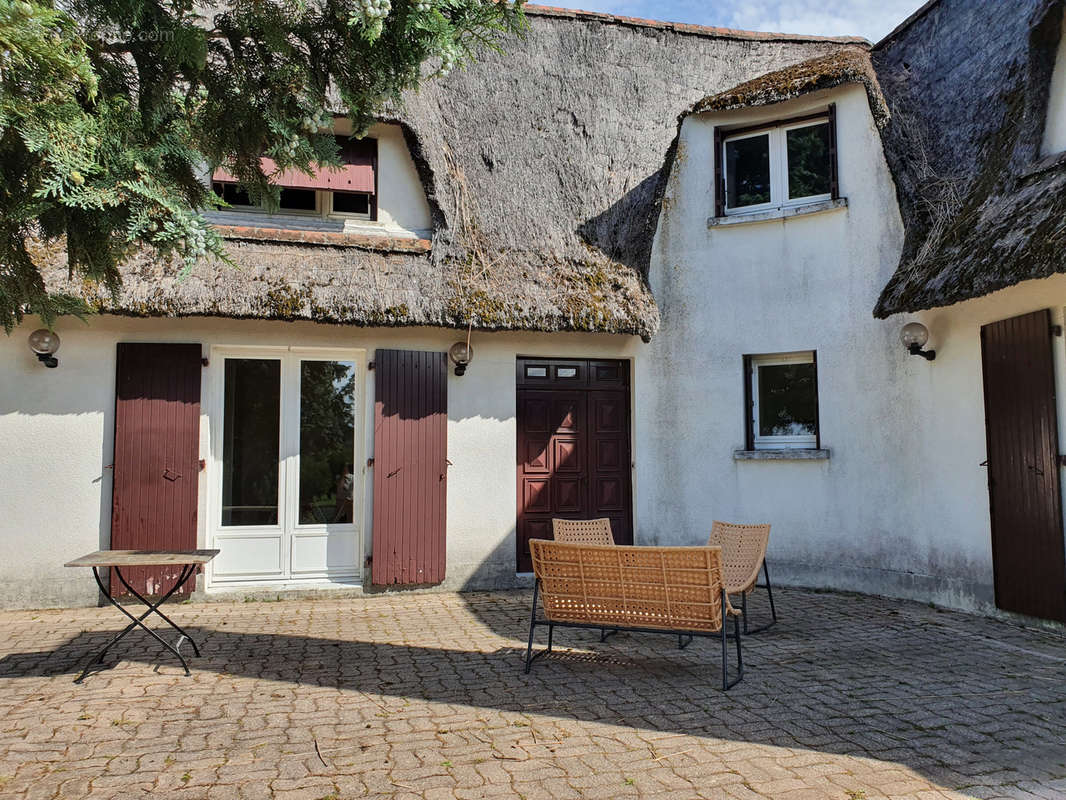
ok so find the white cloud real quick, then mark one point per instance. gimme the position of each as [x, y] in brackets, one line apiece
[870, 18]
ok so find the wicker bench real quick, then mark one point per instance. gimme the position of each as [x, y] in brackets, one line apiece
[675, 590]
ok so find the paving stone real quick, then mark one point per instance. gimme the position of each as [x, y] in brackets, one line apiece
[423, 696]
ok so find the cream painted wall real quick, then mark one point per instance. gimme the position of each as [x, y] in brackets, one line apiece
[57, 429]
[901, 506]
[1055, 128]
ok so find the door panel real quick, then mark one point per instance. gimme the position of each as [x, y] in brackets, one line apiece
[157, 452]
[573, 447]
[1023, 471]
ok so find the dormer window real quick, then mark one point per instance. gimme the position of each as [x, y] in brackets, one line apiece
[350, 191]
[775, 165]
[1055, 125]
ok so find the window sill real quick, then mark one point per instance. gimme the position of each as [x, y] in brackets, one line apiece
[382, 242]
[778, 213]
[784, 454]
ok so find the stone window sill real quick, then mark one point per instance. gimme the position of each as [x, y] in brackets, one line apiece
[778, 213]
[784, 454]
[365, 241]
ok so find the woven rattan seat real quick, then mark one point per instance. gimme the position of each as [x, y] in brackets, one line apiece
[743, 556]
[652, 589]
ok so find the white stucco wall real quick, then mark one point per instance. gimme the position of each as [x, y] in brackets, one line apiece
[57, 430]
[901, 506]
[1055, 128]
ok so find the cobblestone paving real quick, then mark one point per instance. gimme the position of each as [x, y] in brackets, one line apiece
[423, 696]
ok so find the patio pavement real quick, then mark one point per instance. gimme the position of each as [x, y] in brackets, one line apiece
[422, 695]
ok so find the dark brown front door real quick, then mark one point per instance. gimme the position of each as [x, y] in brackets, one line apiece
[573, 447]
[156, 464]
[1023, 471]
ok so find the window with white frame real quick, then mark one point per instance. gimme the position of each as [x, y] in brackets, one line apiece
[783, 401]
[776, 165]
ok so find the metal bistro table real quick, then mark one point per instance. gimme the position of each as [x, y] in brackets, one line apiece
[189, 560]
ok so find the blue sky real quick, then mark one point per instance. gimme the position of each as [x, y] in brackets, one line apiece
[870, 18]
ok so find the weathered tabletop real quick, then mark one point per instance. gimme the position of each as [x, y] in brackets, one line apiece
[142, 558]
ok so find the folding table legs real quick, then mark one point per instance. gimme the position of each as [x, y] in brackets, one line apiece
[187, 572]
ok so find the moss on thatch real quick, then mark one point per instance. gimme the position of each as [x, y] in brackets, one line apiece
[968, 83]
[543, 166]
[843, 66]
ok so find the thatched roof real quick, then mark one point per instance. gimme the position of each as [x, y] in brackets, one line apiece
[967, 84]
[843, 66]
[543, 166]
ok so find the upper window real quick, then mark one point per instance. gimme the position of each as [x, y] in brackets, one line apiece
[348, 191]
[784, 401]
[785, 163]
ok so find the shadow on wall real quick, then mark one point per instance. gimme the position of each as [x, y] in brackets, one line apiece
[858, 676]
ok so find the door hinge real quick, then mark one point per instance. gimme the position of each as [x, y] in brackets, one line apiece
[370, 462]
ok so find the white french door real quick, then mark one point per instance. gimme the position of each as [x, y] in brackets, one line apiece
[286, 482]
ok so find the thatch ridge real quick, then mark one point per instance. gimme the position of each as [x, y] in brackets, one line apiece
[843, 66]
[982, 210]
[543, 167]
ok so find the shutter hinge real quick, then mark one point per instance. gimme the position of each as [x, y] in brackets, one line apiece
[370, 366]
[1060, 460]
[370, 462]
[1056, 330]
[204, 362]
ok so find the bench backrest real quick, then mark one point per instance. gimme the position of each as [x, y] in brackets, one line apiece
[582, 531]
[669, 588]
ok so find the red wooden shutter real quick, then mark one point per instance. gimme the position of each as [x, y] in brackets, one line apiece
[410, 467]
[157, 457]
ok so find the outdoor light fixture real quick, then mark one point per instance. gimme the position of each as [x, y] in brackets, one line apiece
[44, 343]
[461, 353]
[914, 336]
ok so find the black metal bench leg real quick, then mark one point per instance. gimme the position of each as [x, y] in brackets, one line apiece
[532, 627]
[769, 590]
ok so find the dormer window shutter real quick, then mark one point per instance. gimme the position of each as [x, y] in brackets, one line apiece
[358, 171]
[834, 183]
[719, 185]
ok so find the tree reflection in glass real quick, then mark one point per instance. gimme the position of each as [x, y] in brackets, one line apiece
[327, 442]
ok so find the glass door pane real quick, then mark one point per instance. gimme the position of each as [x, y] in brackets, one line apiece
[250, 441]
[327, 442]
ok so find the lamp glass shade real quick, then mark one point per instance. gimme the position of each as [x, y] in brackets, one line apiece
[914, 333]
[461, 353]
[44, 342]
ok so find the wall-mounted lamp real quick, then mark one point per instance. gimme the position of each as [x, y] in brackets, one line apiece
[461, 354]
[44, 344]
[914, 336]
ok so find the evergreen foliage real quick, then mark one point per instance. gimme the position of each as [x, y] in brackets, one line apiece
[112, 112]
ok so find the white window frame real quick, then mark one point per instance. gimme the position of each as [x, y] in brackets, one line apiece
[778, 145]
[759, 442]
[329, 212]
[288, 530]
